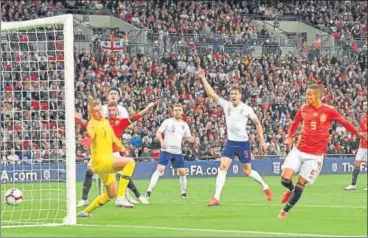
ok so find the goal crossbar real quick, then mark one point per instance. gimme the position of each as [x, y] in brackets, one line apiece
[41, 22]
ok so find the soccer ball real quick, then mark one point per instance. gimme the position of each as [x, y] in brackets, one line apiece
[13, 196]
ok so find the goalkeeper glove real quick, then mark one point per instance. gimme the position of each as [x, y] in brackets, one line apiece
[86, 142]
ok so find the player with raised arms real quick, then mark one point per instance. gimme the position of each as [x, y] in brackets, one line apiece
[171, 134]
[362, 154]
[113, 97]
[100, 138]
[307, 155]
[237, 114]
[119, 125]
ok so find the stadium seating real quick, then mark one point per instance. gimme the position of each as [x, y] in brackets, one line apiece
[273, 86]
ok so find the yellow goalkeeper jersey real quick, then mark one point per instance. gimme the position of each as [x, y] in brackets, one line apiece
[103, 138]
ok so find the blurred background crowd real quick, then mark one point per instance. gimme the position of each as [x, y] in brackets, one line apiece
[274, 85]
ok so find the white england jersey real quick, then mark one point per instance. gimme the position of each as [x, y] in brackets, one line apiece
[174, 132]
[122, 111]
[236, 119]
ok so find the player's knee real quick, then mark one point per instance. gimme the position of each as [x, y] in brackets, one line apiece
[181, 172]
[161, 171]
[357, 163]
[247, 171]
[112, 194]
[223, 167]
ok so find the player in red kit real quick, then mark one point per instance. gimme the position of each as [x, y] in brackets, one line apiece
[361, 155]
[119, 125]
[307, 157]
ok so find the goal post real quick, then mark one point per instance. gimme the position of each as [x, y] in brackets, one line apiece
[37, 130]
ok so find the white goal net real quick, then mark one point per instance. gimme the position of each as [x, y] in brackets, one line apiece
[37, 121]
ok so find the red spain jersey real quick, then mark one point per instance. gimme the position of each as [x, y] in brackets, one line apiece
[363, 128]
[314, 136]
[119, 125]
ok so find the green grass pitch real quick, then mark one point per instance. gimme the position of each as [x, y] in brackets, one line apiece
[325, 209]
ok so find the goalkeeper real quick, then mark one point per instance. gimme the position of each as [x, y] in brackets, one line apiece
[100, 137]
[113, 97]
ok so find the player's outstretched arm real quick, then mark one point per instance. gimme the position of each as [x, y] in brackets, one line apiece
[259, 129]
[350, 127]
[207, 87]
[140, 114]
[293, 127]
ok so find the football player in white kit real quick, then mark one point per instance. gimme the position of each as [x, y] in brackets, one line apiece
[362, 154]
[237, 114]
[174, 130]
[113, 96]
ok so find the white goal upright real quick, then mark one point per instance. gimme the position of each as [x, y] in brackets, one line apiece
[37, 121]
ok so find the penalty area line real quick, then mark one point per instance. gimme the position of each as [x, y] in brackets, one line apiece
[211, 230]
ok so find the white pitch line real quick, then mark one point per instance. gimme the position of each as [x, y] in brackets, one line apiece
[30, 226]
[186, 229]
[213, 230]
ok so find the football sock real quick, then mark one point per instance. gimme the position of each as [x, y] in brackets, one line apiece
[154, 179]
[98, 202]
[287, 183]
[132, 187]
[255, 175]
[125, 177]
[295, 196]
[355, 175]
[183, 183]
[87, 183]
[220, 182]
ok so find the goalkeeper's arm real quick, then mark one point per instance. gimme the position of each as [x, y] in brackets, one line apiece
[90, 134]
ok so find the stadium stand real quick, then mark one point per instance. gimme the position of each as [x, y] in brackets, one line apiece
[188, 17]
[273, 85]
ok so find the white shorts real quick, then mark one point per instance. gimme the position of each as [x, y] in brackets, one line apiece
[309, 165]
[362, 155]
[117, 154]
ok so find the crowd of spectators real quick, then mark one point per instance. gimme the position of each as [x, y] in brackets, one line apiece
[190, 17]
[33, 119]
[27, 10]
[345, 20]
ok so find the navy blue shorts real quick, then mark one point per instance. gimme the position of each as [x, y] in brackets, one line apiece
[240, 149]
[177, 160]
